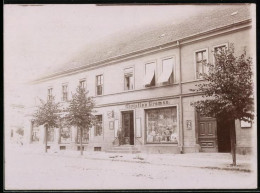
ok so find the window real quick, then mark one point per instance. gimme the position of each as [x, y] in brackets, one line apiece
[65, 135]
[85, 136]
[129, 79]
[201, 58]
[167, 71]
[50, 135]
[82, 83]
[64, 92]
[161, 125]
[98, 125]
[149, 79]
[99, 83]
[218, 49]
[35, 133]
[49, 93]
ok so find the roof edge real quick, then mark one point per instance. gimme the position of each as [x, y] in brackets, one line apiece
[158, 47]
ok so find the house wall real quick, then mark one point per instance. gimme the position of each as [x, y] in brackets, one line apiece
[115, 98]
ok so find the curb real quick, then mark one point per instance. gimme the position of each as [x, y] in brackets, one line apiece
[147, 162]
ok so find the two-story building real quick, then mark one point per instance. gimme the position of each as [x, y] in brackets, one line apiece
[141, 83]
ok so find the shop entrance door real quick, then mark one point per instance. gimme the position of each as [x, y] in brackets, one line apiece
[128, 127]
[208, 134]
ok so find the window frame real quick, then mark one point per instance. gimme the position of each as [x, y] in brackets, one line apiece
[85, 82]
[132, 76]
[195, 61]
[173, 68]
[219, 45]
[67, 96]
[99, 85]
[155, 71]
[51, 93]
[102, 128]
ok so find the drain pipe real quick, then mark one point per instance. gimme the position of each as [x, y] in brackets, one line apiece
[181, 107]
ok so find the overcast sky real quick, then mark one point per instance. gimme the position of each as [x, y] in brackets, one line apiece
[37, 37]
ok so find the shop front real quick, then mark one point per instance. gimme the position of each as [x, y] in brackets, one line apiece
[153, 125]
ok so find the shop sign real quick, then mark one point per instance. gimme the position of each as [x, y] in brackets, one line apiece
[147, 104]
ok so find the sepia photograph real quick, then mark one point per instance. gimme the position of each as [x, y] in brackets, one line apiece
[130, 96]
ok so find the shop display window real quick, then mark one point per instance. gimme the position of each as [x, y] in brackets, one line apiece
[161, 125]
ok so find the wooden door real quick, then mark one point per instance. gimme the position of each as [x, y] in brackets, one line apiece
[208, 134]
[128, 128]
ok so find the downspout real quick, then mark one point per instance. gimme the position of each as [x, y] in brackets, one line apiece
[181, 107]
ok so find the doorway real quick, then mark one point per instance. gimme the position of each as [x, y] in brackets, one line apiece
[128, 127]
[223, 133]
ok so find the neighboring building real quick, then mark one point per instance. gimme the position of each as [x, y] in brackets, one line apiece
[142, 84]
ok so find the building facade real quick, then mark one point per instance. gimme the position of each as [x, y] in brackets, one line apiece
[144, 88]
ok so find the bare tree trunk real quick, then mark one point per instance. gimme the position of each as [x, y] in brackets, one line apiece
[233, 141]
[46, 136]
[81, 148]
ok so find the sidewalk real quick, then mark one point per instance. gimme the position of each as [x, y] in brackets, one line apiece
[220, 161]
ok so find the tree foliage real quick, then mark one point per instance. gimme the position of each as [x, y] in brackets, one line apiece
[228, 87]
[80, 110]
[47, 113]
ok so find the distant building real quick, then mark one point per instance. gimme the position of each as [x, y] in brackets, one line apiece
[141, 83]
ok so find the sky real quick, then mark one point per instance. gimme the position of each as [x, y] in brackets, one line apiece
[38, 37]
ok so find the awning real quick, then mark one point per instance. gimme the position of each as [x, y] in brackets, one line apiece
[165, 76]
[148, 78]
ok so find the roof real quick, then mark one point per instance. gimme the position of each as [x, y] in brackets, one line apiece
[130, 42]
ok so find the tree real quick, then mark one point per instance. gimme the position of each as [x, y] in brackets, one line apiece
[227, 91]
[80, 112]
[47, 114]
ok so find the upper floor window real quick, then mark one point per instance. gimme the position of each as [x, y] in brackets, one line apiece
[82, 83]
[167, 71]
[201, 58]
[129, 78]
[98, 125]
[64, 92]
[218, 49]
[149, 79]
[49, 93]
[99, 84]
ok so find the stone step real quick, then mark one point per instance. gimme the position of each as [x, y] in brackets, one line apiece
[125, 148]
[123, 151]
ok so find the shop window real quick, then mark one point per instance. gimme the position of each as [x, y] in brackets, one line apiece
[99, 84]
[201, 58]
[64, 92]
[82, 83]
[167, 71]
[161, 125]
[65, 135]
[98, 125]
[85, 136]
[129, 79]
[50, 135]
[149, 79]
[50, 93]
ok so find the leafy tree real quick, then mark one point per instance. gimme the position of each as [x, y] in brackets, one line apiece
[47, 114]
[227, 91]
[80, 112]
